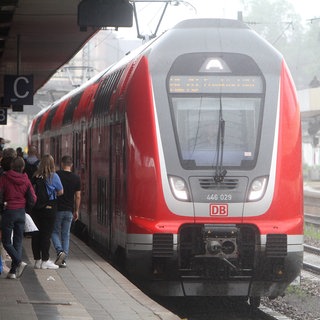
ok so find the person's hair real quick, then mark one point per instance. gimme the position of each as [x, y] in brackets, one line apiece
[17, 164]
[33, 151]
[67, 161]
[8, 155]
[9, 152]
[46, 167]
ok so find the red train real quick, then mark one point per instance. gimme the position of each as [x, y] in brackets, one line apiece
[189, 152]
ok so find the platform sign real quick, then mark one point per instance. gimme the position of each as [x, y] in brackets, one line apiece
[18, 90]
[3, 116]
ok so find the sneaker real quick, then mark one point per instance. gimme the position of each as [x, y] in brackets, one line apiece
[37, 264]
[11, 276]
[21, 267]
[48, 265]
[60, 258]
[63, 264]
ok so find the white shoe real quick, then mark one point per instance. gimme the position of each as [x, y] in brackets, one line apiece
[60, 258]
[48, 265]
[20, 269]
[11, 276]
[37, 264]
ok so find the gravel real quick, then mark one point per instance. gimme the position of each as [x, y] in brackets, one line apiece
[300, 302]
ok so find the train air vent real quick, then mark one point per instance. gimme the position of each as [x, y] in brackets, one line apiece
[276, 246]
[211, 184]
[162, 245]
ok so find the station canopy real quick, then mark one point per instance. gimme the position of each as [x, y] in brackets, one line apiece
[37, 37]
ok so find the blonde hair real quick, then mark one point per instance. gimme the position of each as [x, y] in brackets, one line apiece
[46, 167]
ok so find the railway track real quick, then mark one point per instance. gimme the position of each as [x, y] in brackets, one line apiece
[311, 261]
[312, 217]
[207, 308]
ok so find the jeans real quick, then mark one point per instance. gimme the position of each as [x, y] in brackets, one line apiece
[13, 222]
[61, 231]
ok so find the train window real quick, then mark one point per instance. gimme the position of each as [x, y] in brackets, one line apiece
[72, 105]
[105, 92]
[36, 125]
[216, 102]
[198, 120]
[50, 116]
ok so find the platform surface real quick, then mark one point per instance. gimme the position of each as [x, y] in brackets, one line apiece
[89, 288]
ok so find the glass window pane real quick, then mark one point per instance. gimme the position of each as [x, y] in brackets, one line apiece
[197, 121]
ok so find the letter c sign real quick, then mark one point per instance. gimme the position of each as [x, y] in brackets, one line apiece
[18, 90]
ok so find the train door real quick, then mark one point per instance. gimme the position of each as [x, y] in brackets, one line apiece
[116, 193]
[82, 167]
[41, 150]
[87, 174]
[55, 149]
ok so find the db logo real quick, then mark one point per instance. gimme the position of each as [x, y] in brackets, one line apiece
[218, 209]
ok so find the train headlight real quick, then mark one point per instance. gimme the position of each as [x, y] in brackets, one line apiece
[179, 188]
[257, 189]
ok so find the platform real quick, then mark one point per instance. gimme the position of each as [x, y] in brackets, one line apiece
[311, 186]
[89, 288]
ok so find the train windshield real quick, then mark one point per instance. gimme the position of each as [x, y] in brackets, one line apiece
[217, 117]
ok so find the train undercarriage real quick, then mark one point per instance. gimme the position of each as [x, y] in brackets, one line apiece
[216, 260]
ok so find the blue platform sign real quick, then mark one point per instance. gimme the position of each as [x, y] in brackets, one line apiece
[18, 90]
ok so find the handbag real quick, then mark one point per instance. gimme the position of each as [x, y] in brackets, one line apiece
[29, 225]
[29, 201]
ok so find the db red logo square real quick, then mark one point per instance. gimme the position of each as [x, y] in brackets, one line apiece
[218, 209]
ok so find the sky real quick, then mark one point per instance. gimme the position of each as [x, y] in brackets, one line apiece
[149, 12]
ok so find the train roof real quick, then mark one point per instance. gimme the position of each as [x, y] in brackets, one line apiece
[210, 23]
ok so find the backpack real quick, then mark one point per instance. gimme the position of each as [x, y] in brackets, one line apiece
[40, 189]
[30, 168]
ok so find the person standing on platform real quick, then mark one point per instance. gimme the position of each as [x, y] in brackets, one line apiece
[44, 218]
[14, 185]
[3, 143]
[68, 209]
[32, 162]
[20, 153]
[8, 155]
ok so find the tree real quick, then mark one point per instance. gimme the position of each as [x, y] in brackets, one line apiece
[279, 24]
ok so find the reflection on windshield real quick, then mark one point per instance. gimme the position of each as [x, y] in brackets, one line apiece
[197, 124]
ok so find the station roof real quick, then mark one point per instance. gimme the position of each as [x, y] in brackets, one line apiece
[37, 37]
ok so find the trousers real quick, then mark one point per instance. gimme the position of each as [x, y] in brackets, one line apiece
[61, 231]
[41, 240]
[12, 235]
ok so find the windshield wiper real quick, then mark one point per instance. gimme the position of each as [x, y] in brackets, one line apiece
[220, 171]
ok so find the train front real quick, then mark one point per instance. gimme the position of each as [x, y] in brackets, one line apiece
[229, 147]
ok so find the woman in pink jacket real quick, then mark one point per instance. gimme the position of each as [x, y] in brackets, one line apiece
[14, 185]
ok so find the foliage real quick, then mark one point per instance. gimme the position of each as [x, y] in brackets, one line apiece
[312, 232]
[279, 24]
[297, 290]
